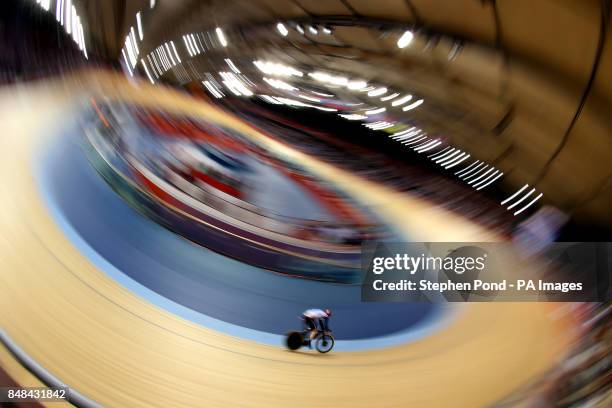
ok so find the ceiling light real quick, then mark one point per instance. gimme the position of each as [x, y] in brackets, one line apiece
[405, 39]
[309, 98]
[320, 76]
[338, 80]
[401, 100]
[377, 92]
[213, 89]
[410, 135]
[188, 45]
[465, 169]
[454, 51]
[515, 194]
[170, 54]
[388, 97]
[495, 179]
[278, 84]
[234, 84]
[134, 42]
[355, 85]
[270, 99]
[127, 62]
[379, 125]
[375, 111]
[452, 156]
[425, 145]
[472, 176]
[322, 94]
[427, 148]
[480, 177]
[233, 67]
[272, 68]
[282, 29]
[403, 132]
[441, 153]
[68, 17]
[195, 43]
[354, 117]
[175, 52]
[412, 105]
[522, 199]
[457, 161]
[221, 36]
[292, 102]
[489, 177]
[59, 12]
[529, 205]
[140, 34]
[419, 139]
[478, 168]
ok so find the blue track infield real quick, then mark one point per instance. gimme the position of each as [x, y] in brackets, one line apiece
[200, 285]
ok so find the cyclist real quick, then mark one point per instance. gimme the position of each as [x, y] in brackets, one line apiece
[316, 317]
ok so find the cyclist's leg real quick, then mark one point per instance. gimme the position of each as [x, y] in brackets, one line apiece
[312, 328]
[319, 327]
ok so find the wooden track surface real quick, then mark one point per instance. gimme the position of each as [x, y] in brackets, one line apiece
[119, 350]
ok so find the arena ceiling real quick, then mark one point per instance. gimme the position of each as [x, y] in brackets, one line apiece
[522, 84]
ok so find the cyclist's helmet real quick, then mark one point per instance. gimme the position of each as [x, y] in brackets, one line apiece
[328, 312]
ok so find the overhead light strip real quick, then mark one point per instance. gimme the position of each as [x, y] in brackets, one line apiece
[480, 177]
[529, 205]
[481, 182]
[474, 169]
[457, 162]
[515, 194]
[492, 181]
[467, 168]
[523, 198]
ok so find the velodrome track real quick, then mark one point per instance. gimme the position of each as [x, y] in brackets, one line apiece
[117, 349]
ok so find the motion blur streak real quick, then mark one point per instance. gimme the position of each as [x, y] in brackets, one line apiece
[181, 180]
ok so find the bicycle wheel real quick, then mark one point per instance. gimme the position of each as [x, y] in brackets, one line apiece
[294, 340]
[325, 343]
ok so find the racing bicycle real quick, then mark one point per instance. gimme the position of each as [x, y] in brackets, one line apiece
[323, 340]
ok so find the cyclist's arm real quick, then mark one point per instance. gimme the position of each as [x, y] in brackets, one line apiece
[325, 324]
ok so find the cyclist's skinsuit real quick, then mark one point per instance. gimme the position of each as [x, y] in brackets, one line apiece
[314, 316]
